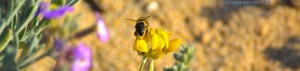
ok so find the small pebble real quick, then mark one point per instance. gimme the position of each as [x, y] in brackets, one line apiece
[152, 6]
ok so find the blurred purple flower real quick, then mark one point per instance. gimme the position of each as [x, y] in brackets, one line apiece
[63, 54]
[102, 31]
[42, 8]
[82, 58]
[56, 13]
[58, 44]
[78, 57]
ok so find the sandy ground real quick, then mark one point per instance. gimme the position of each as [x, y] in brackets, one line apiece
[227, 37]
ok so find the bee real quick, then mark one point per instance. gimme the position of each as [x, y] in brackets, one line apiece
[141, 26]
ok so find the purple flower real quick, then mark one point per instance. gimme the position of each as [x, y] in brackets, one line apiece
[58, 44]
[82, 58]
[102, 31]
[79, 57]
[42, 8]
[56, 13]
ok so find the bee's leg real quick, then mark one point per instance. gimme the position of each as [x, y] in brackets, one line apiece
[149, 32]
[146, 33]
[134, 33]
[147, 25]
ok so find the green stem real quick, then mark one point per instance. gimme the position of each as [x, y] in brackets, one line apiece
[29, 18]
[151, 66]
[16, 40]
[11, 15]
[29, 60]
[143, 64]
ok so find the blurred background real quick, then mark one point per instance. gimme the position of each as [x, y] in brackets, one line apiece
[227, 37]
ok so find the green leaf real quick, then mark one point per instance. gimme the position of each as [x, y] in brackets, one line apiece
[182, 49]
[1, 57]
[190, 50]
[190, 53]
[5, 39]
[9, 59]
[29, 18]
[31, 60]
[27, 35]
[16, 40]
[58, 2]
[178, 57]
[26, 10]
[22, 34]
[44, 24]
[10, 16]
[30, 45]
[183, 67]
[185, 59]
[175, 68]
[71, 2]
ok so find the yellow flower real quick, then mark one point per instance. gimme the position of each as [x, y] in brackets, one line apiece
[174, 44]
[159, 43]
[164, 36]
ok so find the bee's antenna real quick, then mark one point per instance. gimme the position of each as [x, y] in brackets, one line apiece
[147, 17]
[131, 20]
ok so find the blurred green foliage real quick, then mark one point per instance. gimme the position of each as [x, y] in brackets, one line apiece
[20, 28]
[182, 59]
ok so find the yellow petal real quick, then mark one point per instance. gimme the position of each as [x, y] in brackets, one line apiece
[164, 35]
[151, 31]
[165, 38]
[142, 46]
[154, 42]
[174, 44]
[157, 42]
[158, 30]
[161, 44]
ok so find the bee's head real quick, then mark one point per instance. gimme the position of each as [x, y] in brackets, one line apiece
[144, 20]
[141, 25]
[140, 28]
